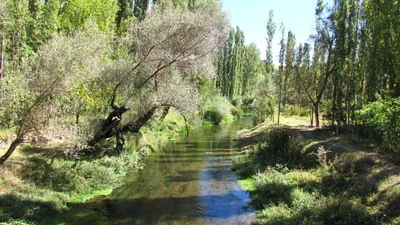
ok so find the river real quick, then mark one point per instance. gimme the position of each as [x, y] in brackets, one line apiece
[189, 181]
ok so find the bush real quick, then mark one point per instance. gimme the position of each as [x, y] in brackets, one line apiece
[237, 112]
[296, 111]
[383, 116]
[236, 101]
[214, 116]
[263, 107]
[282, 146]
[271, 188]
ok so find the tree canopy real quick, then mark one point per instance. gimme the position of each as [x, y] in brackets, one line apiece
[79, 66]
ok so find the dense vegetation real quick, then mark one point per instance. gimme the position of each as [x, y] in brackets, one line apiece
[62, 77]
[88, 88]
[107, 81]
[347, 71]
[306, 176]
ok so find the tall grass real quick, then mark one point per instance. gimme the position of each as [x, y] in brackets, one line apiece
[340, 187]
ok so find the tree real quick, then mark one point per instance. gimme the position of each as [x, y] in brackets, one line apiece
[35, 93]
[271, 27]
[124, 12]
[77, 14]
[281, 69]
[3, 16]
[168, 44]
[289, 67]
[231, 62]
[252, 68]
[140, 8]
[313, 77]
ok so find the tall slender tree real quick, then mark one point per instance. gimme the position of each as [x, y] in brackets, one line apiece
[271, 27]
[289, 67]
[281, 69]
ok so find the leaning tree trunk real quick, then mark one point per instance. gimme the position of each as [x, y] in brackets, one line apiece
[10, 150]
[110, 127]
[111, 123]
[135, 126]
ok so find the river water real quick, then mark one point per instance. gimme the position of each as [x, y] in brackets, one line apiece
[190, 181]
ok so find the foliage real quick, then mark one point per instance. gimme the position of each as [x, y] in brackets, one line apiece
[263, 107]
[296, 111]
[237, 112]
[347, 187]
[76, 15]
[383, 116]
[238, 66]
[264, 102]
[271, 27]
[213, 116]
[35, 94]
[323, 157]
[282, 147]
[276, 146]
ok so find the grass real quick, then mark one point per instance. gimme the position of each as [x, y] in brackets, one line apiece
[342, 182]
[85, 197]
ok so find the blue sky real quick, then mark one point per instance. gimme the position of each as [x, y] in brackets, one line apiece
[252, 17]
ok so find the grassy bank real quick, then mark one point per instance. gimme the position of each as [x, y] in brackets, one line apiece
[40, 179]
[299, 175]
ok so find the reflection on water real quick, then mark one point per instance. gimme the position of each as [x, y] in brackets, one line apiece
[189, 182]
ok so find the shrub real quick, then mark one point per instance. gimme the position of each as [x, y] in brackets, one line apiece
[282, 146]
[323, 157]
[271, 188]
[263, 107]
[214, 116]
[383, 116]
[236, 101]
[237, 112]
[296, 111]
[244, 164]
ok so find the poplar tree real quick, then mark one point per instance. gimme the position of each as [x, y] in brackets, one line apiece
[281, 69]
[289, 67]
[271, 27]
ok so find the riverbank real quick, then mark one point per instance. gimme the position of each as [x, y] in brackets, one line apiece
[42, 178]
[189, 181]
[302, 175]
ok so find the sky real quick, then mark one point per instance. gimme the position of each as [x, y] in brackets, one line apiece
[252, 17]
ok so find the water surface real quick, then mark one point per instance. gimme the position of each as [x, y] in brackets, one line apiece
[190, 181]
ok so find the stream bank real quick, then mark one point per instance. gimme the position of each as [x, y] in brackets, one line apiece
[189, 181]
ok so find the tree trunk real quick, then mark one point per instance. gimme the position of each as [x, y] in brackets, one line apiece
[10, 150]
[165, 112]
[142, 120]
[113, 120]
[2, 57]
[316, 111]
[312, 116]
[279, 103]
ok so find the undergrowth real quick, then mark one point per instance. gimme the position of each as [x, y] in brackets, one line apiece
[41, 180]
[297, 182]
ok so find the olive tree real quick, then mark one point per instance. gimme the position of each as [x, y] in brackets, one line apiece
[42, 88]
[156, 63]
